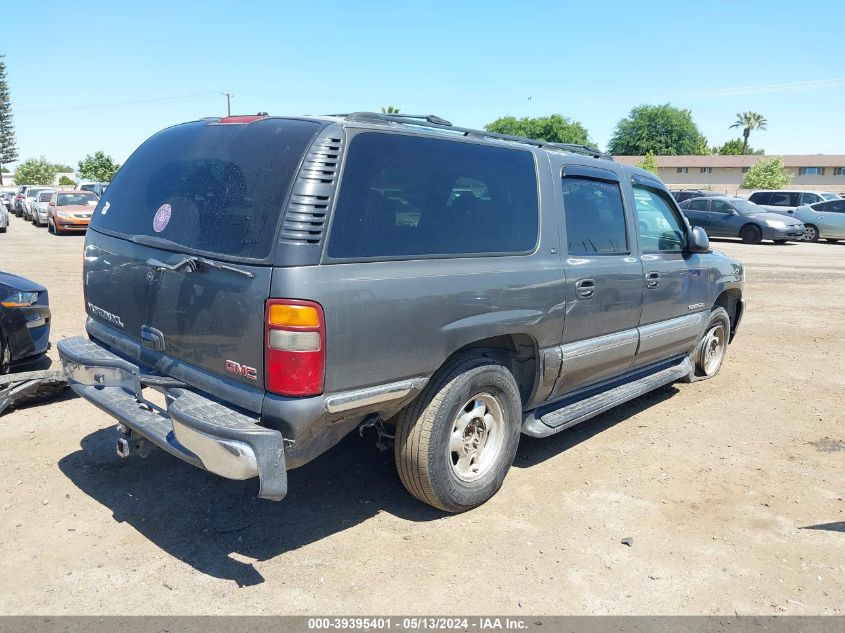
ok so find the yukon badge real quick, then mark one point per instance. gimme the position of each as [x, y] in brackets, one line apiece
[242, 370]
[104, 315]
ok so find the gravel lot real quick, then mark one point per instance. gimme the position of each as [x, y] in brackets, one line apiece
[732, 491]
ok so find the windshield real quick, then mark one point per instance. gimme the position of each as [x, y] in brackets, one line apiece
[76, 199]
[746, 208]
[208, 187]
[44, 196]
[829, 196]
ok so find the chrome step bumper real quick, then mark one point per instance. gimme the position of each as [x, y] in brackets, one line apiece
[194, 428]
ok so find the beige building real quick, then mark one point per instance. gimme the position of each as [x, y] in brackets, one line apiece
[816, 172]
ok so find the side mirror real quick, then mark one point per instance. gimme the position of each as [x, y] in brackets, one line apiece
[698, 242]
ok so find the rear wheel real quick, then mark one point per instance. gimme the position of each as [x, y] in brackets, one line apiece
[457, 440]
[781, 241]
[811, 233]
[711, 349]
[751, 234]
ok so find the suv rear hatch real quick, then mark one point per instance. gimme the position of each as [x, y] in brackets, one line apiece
[178, 259]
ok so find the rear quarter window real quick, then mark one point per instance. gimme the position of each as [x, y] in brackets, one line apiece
[408, 196]
[208, 187]
[761, 197]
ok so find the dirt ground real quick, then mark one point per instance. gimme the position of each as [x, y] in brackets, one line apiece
[732, 491]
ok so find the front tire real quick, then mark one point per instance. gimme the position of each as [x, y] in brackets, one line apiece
[811, 233]
[780, 241]
[751, 234]
[5, 356]
[456, 441]
[711, 350]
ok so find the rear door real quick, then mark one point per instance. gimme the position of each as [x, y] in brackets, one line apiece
[604, 285]
[723, 220]
[697, 212]
[675, 287]
[177, 261]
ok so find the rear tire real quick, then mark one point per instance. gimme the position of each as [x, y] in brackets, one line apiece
[780, 241]
[811, 233]
[711, 350]
[751, 234]
[456, 441]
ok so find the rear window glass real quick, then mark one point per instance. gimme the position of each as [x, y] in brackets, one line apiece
[405, 196]
[208, 188]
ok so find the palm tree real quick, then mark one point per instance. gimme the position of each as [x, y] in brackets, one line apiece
[749, 121]
[390, 110]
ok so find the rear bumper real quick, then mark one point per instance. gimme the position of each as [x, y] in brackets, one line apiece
[194, 428]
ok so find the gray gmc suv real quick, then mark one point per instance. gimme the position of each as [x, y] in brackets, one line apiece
[284, 281]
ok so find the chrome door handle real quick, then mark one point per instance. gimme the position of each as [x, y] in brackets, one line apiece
[585, 288]
[652, 280]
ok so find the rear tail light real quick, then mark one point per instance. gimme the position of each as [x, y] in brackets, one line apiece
[294, 347]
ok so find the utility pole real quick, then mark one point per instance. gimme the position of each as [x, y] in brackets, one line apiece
[228, 96]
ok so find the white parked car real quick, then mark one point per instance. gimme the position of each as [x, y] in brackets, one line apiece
[786, 200]
[823, 219]
[4, 218]
[39, 207]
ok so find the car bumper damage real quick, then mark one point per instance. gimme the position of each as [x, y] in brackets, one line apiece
[192, 427]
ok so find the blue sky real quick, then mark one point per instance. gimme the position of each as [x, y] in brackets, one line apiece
[126, 70]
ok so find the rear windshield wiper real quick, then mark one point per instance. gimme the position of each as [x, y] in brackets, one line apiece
[193, 263]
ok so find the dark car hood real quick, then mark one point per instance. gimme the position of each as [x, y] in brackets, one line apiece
[19, 283]
[775, 216]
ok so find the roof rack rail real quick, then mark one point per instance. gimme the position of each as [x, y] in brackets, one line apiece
[434, 121]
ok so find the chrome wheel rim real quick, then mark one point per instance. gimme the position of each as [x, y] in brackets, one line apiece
[477, 437]
[713, 349]
[809, 233]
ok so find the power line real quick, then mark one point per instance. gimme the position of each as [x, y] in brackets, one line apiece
[124, 104]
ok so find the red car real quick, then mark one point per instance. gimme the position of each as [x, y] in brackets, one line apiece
[70, 211]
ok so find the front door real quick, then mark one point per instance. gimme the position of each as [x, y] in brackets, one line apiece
[697, 212]
[604, 283]
[674, 284]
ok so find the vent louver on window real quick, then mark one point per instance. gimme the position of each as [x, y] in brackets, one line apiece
[312, 194]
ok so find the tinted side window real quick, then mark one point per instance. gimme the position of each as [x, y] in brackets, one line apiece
[761, 197]
[783, 199]
[720, 206]
[660, 227]
[810, 198]
[698, 205]
[404, 196]
[595, 217]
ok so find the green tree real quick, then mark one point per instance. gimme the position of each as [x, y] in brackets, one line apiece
[749, 121]
[35, 171]
[767, 174]
[390, 110]
[100, 167]
[62, 168]
[734, 148]
[8, 146]
[64, 180]
[552, 129]
[649, 162]
[662, 129]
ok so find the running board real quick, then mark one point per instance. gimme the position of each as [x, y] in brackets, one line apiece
[569, 415]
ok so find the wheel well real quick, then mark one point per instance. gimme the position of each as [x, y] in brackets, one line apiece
[729, 300]
[517, 352]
